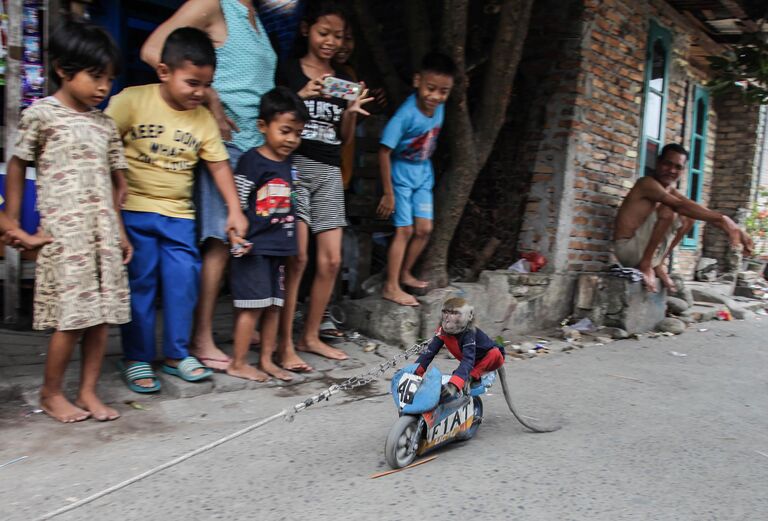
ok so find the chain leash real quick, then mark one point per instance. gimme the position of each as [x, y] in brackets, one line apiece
[358, 380]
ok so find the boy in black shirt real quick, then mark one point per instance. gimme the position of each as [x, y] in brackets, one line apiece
[264, 183]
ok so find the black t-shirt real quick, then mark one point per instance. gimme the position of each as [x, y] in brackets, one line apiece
[321, 139]
[265, 188]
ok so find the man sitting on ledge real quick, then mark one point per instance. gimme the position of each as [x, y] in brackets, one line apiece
[654, 217]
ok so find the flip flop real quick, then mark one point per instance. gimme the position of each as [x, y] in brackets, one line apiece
[403, 301]
[138, 371]
[185, 370]
[328, 329]
[210, 363]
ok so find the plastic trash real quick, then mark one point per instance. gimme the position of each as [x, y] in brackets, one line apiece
[675, 353]
[584, 325]
[521, 266]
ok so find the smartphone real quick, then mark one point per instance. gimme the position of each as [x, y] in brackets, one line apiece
[338, 88]
[238, 250]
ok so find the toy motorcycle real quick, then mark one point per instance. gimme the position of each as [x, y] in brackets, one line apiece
[425, 422]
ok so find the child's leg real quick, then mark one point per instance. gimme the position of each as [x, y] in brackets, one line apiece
[138, 336]
[215, 258]
[328, 263]
[392, 290]
[239, 367]
[422, 217]
[180, 272]
[269, 323]
[421, 233]
[294, 270]
[52, 399]
[94, 347]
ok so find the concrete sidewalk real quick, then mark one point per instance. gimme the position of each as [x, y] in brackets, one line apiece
[22, 358]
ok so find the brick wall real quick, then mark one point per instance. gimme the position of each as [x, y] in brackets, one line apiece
[584, 159]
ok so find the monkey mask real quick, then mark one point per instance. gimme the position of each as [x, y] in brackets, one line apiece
[457, 316]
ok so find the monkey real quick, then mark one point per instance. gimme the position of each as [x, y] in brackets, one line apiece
[476, 352]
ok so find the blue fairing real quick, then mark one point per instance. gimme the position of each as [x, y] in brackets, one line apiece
[426, 397]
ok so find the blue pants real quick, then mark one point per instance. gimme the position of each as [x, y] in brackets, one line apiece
[165, 254]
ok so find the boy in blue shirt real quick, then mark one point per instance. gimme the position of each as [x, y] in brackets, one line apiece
[408, 141]
[264, 184]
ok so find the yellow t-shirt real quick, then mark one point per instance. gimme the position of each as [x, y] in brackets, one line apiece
[162, 147]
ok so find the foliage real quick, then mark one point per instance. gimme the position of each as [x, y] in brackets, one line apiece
[757, 223]
[744, 69]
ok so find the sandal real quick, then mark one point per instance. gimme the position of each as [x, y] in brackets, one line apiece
[328, 329]
[185, 369]
[138, 371]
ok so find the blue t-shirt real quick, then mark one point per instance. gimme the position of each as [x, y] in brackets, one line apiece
[412, 136]
[265, 191]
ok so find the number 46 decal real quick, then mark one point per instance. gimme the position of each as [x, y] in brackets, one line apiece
[406, 388]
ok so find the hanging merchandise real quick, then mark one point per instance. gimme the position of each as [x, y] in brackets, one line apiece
[32, 69]
[3, 41]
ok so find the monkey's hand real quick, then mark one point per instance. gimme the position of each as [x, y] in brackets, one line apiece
[449, 392]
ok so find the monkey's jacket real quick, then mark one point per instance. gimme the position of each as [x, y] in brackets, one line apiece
[475, 351]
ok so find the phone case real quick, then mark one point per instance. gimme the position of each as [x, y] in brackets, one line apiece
[339, 88]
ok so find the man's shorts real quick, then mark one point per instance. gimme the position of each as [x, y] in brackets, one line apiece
[630, 251]
[257, 281]
[319, 195]
[210, 206]
[412, 202]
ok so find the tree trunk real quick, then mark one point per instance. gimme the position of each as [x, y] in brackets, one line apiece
[471, 140]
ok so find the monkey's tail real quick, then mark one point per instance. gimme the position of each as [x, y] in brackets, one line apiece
[527, 422]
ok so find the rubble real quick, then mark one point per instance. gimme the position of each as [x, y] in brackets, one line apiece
[671, 325]
[676, 305]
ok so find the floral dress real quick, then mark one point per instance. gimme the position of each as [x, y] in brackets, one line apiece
[80, 279]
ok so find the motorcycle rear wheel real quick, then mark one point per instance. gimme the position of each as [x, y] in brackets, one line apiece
[399, 450]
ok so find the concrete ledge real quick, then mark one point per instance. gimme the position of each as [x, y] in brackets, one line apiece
[504, 302]
[616, 302]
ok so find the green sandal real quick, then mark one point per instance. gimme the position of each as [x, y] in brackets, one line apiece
[138, 371]
[186, 368]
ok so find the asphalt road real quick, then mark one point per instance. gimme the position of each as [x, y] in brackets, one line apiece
[647, 435]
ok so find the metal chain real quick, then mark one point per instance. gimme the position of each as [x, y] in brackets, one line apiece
[360, 380]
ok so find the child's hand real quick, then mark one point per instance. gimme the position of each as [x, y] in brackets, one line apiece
[240, 246]
[386, 206]
[20, 239]
[313, 88]
[237, 222]
[127, 248]
[362, 99]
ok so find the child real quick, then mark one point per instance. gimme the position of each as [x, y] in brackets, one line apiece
[476, 352]
[80, 281]
[263, 179]
[166, 132]
[319, 191]
[408, 141]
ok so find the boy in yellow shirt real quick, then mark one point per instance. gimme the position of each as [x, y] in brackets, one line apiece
[166, 130]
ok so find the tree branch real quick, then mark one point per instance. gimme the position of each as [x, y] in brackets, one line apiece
[372, 34]
[507, 50]
[419, 27]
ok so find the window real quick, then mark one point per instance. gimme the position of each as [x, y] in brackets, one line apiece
[655, 90]
[698, 155]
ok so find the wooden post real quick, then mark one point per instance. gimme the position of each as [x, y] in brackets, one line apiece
[12, 110]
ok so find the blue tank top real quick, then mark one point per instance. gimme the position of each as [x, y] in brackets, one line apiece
[245, 70]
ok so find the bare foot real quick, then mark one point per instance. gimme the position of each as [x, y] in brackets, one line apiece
[59, 408]
[406, 279]
[290, 361]
[665, 278]
[319, 347]
[209, 354]
[91, 403]
[275, 371]
[649, 279]
[248, 372]
[399, 296]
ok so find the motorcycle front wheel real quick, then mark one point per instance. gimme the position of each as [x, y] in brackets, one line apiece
[400, 448]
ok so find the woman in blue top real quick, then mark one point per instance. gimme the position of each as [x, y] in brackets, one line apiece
[245, 70]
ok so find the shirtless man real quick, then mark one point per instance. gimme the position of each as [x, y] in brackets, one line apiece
[654, 217]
